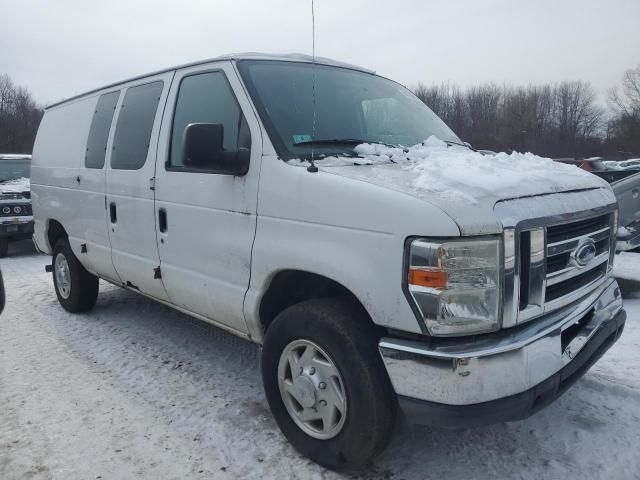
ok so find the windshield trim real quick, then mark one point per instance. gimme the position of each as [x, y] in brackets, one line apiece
[281, 149]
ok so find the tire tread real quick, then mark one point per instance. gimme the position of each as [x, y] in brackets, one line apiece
[84, 285]
[345, 331]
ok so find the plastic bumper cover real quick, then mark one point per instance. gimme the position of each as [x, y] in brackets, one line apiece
[16, 228]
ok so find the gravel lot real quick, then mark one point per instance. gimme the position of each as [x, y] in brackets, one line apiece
[137, 390]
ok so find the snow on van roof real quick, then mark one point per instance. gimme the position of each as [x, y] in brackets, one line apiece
[288, 57]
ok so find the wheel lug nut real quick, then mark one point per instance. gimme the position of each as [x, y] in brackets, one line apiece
[312, 371]
[322, 386]
[323, 403]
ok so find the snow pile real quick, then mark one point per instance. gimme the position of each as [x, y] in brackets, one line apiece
[631, 164]
[16, 186]
[459, 173]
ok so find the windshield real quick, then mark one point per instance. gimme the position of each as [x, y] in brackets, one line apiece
[351, 107]
[13, 169]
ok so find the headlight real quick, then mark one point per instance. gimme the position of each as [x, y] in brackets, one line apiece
[6, 210]
[17, 209]
[455, 284]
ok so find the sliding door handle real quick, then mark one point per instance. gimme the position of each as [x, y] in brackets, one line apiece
[162, 220]
[112, 212]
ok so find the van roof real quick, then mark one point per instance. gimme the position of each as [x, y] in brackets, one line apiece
[290, 57]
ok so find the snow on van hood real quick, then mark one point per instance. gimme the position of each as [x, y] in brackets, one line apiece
[18, 185]
[463, 183]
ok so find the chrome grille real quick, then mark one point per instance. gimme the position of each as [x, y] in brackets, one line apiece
[566, 274]
[556, 264]
[15, 196]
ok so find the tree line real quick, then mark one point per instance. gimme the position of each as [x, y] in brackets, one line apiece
[19, 117]
[554, 120]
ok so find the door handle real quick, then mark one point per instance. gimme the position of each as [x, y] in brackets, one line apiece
[112, 212]
[162, 220]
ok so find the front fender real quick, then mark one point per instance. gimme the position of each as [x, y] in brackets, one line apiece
[349, 231]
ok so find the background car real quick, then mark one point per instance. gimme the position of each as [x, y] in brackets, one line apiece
[16, 217]
[624, 177]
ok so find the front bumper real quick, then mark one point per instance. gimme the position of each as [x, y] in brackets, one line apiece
[507, 375]
[16, 227]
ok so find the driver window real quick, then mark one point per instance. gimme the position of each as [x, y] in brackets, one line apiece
[208, 98]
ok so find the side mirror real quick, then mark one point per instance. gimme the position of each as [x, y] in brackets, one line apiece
[202, 145]
[203, 150]
[242, 162]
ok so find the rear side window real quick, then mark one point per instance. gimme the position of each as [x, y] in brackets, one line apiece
[99, 131]
[135, 122]
[208, 98]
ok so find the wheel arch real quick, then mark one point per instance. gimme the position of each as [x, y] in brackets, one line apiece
[288, 287]
[55, 231]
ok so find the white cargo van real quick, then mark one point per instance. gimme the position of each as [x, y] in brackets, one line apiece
[324, 212]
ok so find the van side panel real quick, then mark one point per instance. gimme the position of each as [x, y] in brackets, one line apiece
[93, 214]
[205, 249]
[65, 191]
[129, 193]
[58, 153]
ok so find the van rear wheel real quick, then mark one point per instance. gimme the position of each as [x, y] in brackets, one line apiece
[76, 288]
[326, 384]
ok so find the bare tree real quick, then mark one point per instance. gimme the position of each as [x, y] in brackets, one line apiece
[627, 102]
[482, 105]
[623, 132]
[576, 115]
[554, 120]
[19, 118]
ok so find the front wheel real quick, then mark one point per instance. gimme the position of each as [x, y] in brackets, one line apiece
[326, 384]
[76, 288]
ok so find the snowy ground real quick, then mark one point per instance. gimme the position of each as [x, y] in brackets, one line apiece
[136, 390]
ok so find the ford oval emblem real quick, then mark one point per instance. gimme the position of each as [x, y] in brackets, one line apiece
[584, 252]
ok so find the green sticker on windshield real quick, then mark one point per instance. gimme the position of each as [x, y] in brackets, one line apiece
[301, 138]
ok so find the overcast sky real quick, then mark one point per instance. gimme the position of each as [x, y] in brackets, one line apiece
[58, 48]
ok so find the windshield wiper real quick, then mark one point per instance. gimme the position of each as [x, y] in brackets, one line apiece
[451, 142]
[342, 141]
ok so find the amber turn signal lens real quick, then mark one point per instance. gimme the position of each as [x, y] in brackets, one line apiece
[428, 278]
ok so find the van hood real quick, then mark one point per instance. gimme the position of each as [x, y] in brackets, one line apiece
[18, 185]
[463, 183]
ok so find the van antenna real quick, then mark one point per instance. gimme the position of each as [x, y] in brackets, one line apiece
[312, 168]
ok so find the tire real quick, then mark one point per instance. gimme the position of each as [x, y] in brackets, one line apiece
[345, 334]
[78, 290]
[4, 246]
